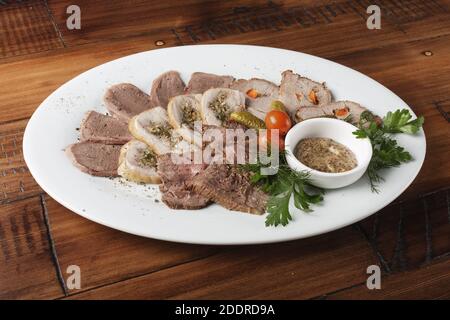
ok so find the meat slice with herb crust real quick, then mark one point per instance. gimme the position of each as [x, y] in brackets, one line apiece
[166, 86]
[201, 81]
[97, 127]
[176, 192]
[218, 103]
[230, 187]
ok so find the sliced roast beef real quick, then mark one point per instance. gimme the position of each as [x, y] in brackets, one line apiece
[259, 94]
[297, 91]
[231, 188]
[97, 127]
[96, 159]
[125, 100]
[176, 193]
[200, 82]
[180, 197]
[166, 86]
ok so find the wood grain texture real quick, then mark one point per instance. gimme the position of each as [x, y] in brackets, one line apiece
[429, 282]
[26, 27]
[16, 181]
[27, 269]
[411, 234]
[105, 255]
[292, 270]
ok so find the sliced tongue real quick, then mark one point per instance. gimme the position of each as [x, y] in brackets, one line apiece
[125, 100]
[96, 159]
[165, 87]
[201, 81]
[97, 127]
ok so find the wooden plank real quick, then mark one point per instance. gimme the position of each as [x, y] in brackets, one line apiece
[292, 270]
[299, 23]
[16, 181]
[429, 282]
[27, 270]
[26, 27]
[105, 255]
[45, 72]
[410, 234]
[111, 20]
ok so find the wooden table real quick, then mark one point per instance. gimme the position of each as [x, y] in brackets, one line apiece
[409, 239]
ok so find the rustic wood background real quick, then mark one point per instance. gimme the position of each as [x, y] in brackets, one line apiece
[409, 239]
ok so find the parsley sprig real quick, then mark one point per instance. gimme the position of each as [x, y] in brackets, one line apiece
[283, 186]
[386, 152]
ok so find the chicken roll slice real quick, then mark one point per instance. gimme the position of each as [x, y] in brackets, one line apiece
[137, 162]
[183, 112]
[153, 128]
[218, 103]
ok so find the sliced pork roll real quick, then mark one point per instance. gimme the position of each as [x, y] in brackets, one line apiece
[297, 91]
[200, 82]
[165, 87]
[259, 94]
[125, 100]
[137, 162]
[183, 112]
[344, 110]
[153, 128]
[218, 103]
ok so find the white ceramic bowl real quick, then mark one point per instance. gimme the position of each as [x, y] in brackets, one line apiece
[339, 131]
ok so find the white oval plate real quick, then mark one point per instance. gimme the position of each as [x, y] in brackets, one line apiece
[132, 208]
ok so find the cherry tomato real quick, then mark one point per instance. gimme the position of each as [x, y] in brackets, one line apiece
[265, 140]
[276, 119]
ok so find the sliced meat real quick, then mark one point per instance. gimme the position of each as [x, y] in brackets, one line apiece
[218, 103]
[259, 94]
[183, 112]
[176, 193]
[153, 128]
[344, 110]
[180, 197]
[125, 100]
[305, 113]
[200, 82]
[231, 188]
[137, 162]
[96, 159]
[97, 127]
[297, 91]
[166, 86]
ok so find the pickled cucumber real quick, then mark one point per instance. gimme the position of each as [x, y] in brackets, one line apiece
[247, 119]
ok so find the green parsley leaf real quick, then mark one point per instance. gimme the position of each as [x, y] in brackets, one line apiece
[399, 121]
[283, 186]
[386, 152]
